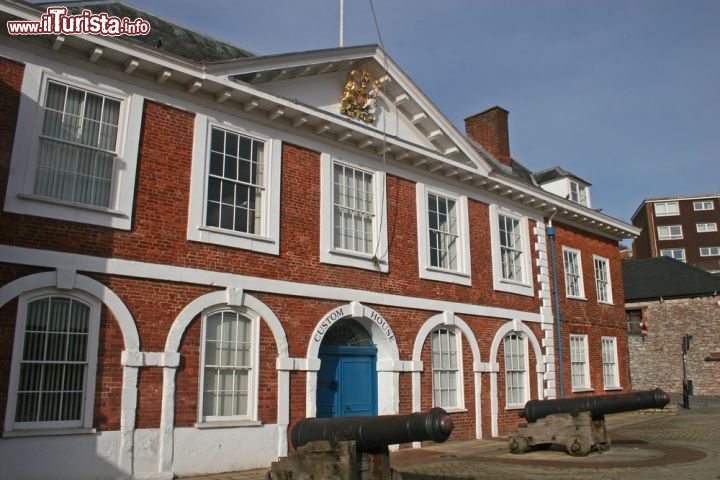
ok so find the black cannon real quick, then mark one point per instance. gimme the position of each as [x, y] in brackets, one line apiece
[578, 423]
[356, 448]
[597, 405]
[374, 432]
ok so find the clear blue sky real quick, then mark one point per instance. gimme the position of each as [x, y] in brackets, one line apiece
[623, 93]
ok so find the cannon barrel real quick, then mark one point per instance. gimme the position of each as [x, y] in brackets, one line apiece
[597, 405]
[375, 432]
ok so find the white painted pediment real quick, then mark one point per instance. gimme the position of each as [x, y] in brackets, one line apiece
[318, 80]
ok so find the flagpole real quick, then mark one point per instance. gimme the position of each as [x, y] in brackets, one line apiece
[342, 21]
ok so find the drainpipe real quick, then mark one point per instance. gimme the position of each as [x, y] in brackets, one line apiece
[558, 324]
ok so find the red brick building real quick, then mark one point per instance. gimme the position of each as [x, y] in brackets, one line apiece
[199, 247]
[683, 227]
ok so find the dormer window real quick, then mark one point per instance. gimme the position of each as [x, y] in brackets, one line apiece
[579, 193]
[564, 184]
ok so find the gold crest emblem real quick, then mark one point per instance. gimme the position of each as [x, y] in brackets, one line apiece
[359, 94]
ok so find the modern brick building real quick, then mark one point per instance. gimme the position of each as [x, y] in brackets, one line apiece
[199, 247]
[683, 227]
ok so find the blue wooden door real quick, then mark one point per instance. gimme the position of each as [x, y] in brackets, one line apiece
[347, 382]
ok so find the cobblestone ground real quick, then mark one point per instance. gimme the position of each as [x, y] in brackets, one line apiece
[679, 445]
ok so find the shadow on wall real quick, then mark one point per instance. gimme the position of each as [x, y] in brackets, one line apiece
[61, 457]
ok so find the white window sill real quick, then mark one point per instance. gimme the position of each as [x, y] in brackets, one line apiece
[582, 390]
[454, 409]
[447, 276]
[232, 239]
[233, 233]
[582, 299]
[613, 389]
[514, 287]
[48, 432]
[227, 424]
[40, 206]
[348, 258]
[514, 407]
[64, 203]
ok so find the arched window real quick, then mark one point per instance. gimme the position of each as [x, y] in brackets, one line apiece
[446, 369]
[516, 367]
[52, 380]
[229, 366]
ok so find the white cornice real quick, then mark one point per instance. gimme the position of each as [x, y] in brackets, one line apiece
[292, 60]
[170, 273]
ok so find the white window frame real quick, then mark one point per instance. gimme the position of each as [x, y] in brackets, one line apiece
[85, 424]
[462, 275]
[20, 197]
[577, 262]
[603, 284]
[378, 259]
[706, 227]
[523, 286]
[669, 232]
[457, 371]
[579, 363]
[579, 193]
[268, 240]
[666, 209]
[702, 205]
[671, 252]
[252, 406]
[611, 371]
[524, 371]
[709, 251]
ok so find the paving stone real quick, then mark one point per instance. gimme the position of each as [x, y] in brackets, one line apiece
[670, 445]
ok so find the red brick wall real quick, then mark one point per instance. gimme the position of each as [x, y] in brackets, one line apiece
[642, 244]
[8, 316]
[588, 316]
[109, 375]
[154, 306]
[11, 75]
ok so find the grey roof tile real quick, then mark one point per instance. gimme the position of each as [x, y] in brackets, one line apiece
[665, 277]
[164, 35]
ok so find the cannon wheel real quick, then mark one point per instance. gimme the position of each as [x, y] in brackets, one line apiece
[578, 446]
[518, 445]
[603, 446]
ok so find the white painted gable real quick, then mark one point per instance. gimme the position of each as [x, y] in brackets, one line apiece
[325, 91]
[402, 113]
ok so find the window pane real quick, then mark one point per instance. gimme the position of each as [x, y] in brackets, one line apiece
[77, 146]
[51, 386]
[578, 361]
[235, 182]
[609, 355]
[227, 364]
[353, 209]
[602, 280]
[445, 366]
[443, 234]
[515, 369]
[573, 281]
[510, 248]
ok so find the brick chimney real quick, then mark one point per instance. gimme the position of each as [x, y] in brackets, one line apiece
[490, 130]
